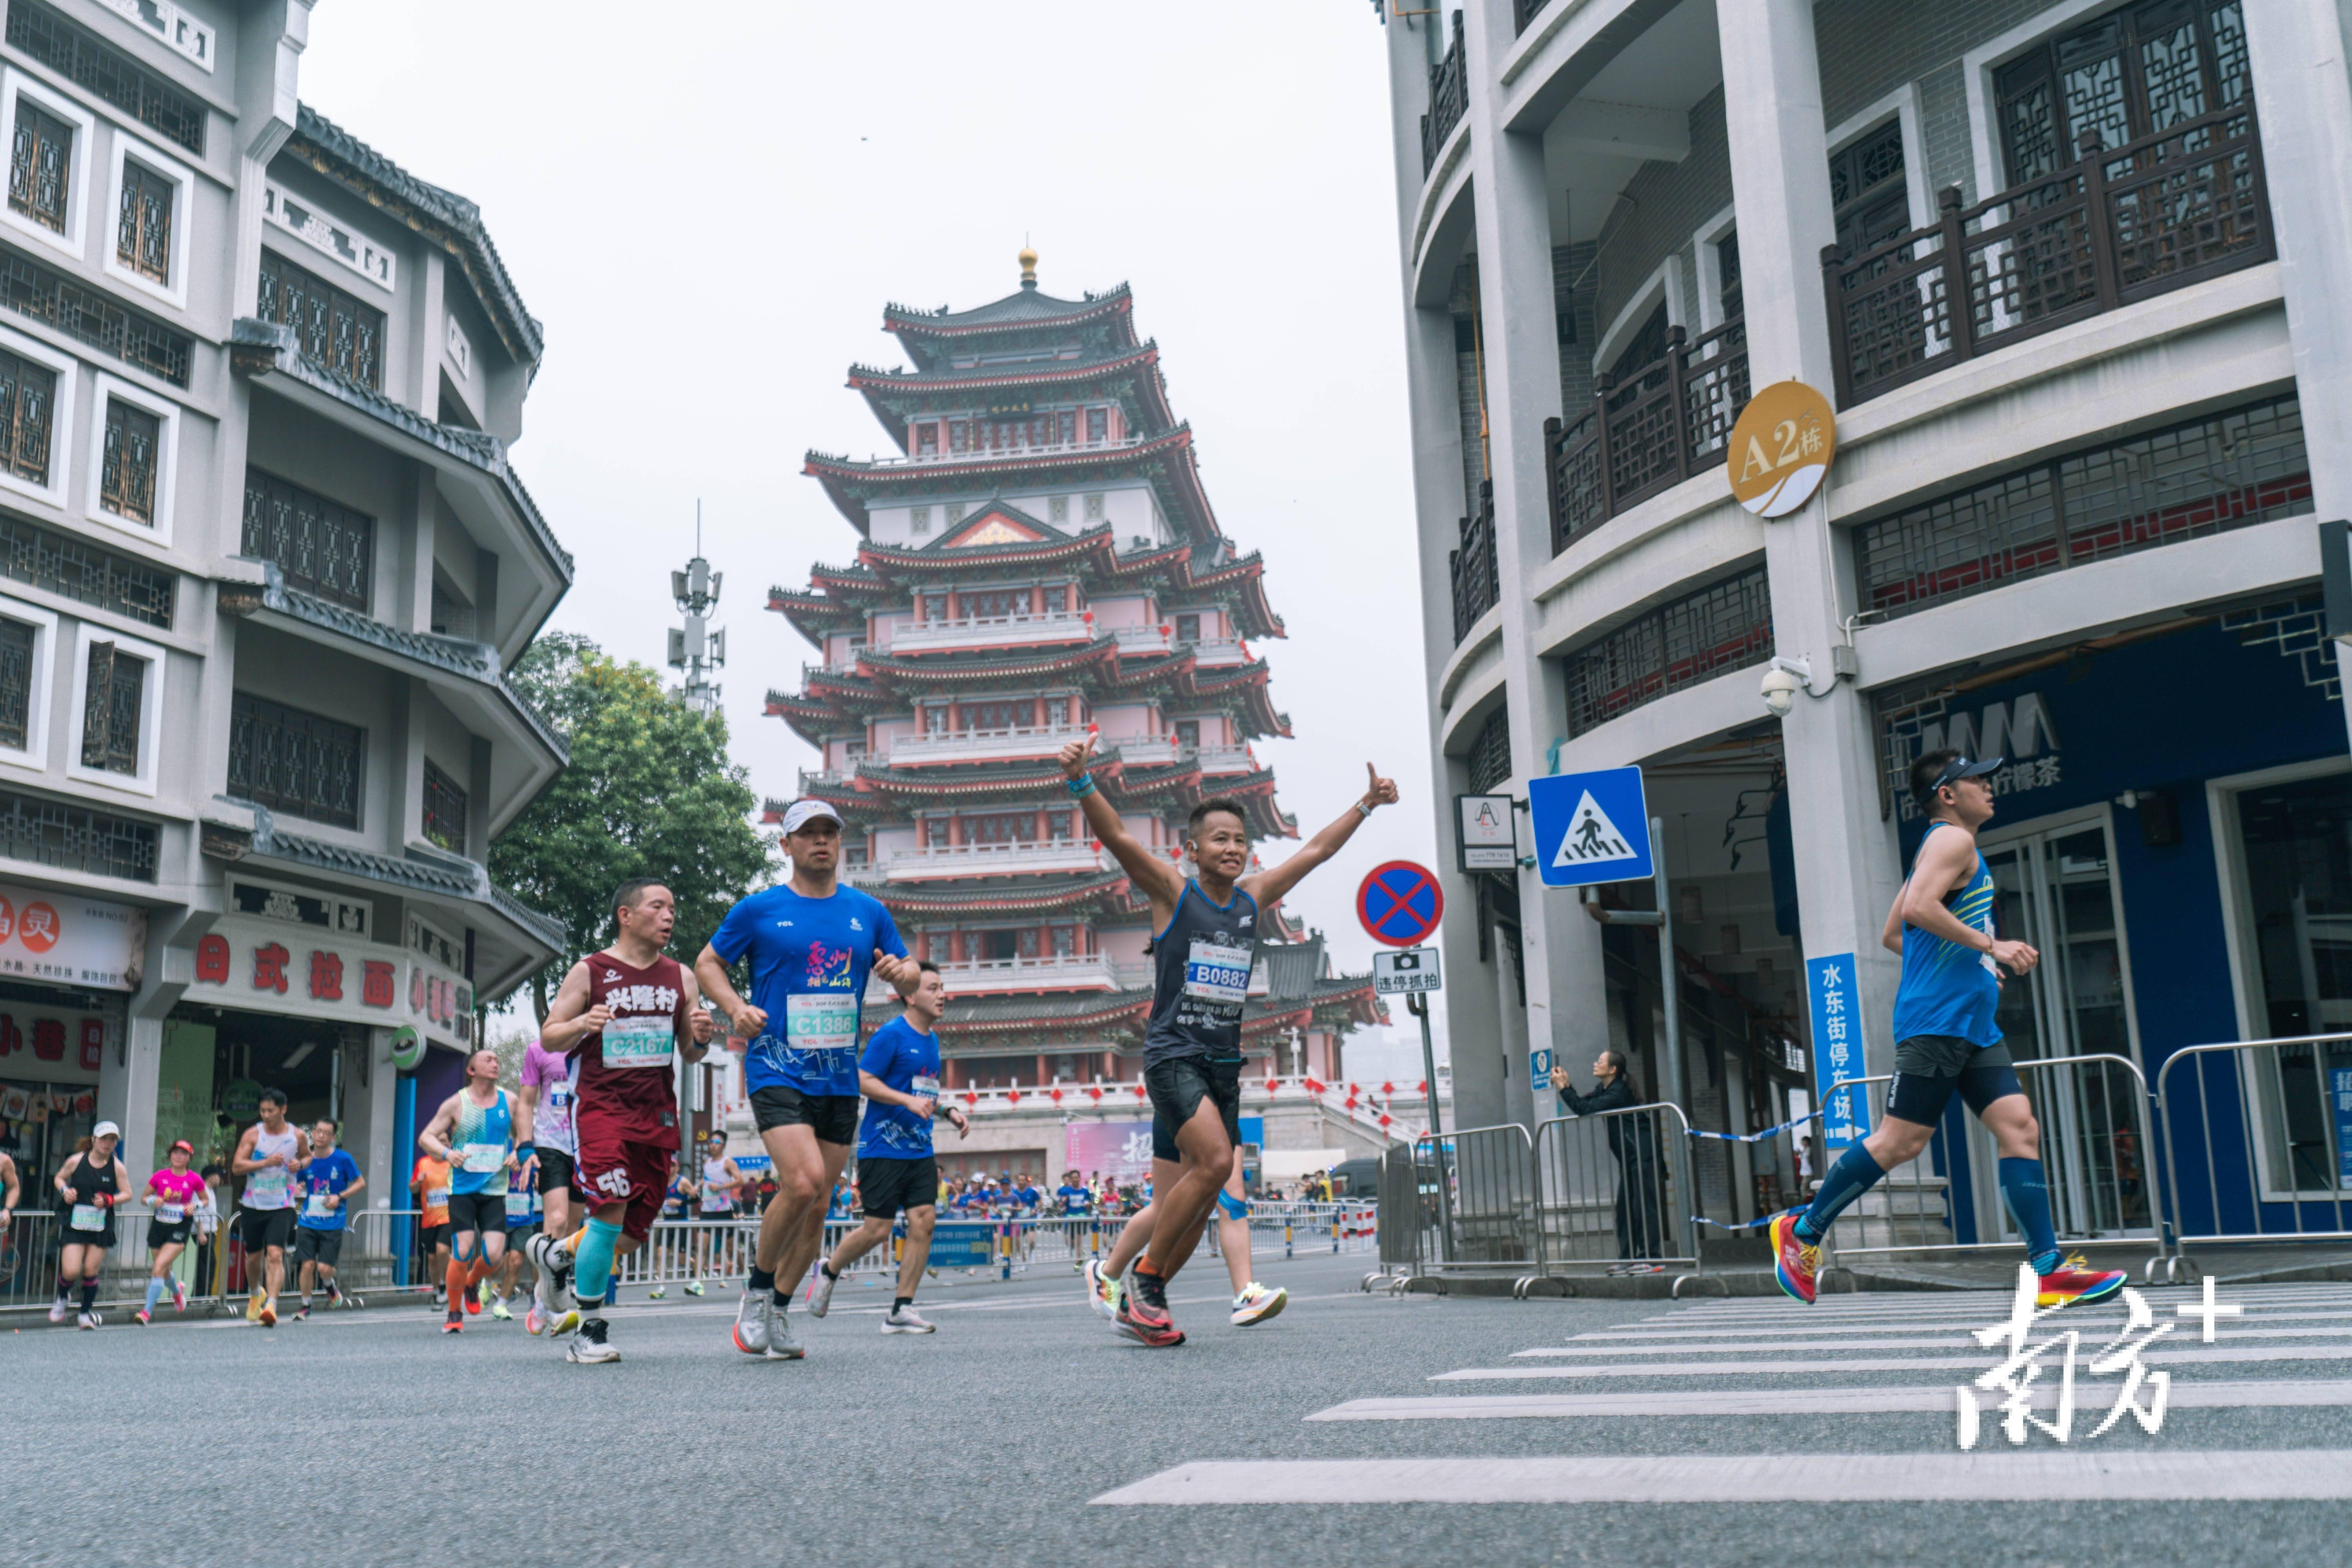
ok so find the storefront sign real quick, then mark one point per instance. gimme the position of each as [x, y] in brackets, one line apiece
[1781, 448]
[2020, 730]
[1837, 1049]
[272, 967]
[407, 1047]
[2340, 1097]
[51, 1045]
[69, 939]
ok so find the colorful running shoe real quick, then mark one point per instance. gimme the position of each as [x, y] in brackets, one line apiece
[750, 1327]
[1255, 1304]
[454, 1326]
[141, 1317]
[657, 1293]
[533, 1321]
[2074, 1283]
[498, 1309]
[474, 1298]
[269, 1318]
[1103, 1291]
[694, 1287]
[1795, 1261]
[179, 1296]
[302, 1312]
[1143, 1311]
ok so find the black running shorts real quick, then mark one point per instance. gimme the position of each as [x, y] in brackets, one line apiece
[885, 1187]
[1178, 1085]
[315, 1246]
[1929, 1069]
[557, 1172]
[485, 1211]
[175, 1234]
[263, 1229]
[832, 1117]
[1163, 1139]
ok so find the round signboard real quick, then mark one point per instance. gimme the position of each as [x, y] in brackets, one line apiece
[407, 1047]
[1401, 903]
[1781, 448]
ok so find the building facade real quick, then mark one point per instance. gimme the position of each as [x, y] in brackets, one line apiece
[2074, 277]
[267, 566]
[1036, 561]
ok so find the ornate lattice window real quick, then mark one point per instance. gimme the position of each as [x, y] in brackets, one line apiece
[31, 290]
[112, 703]
[1723, 627]
[321, 548]
[1872, 201]
[2130, 73]
[17, 641]
[27, 399]
[334, 328]
[80, 571]
[52, 833]
[40, 165]
[445, 810]
[1490, 754]
[295, 763]
[81, 60]
[126, 477]
[142, 238]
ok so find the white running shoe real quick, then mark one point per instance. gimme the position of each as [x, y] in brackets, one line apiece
[694, 1287]
[658, 1292]
[588, 1345]
[1255, 1304]
[553, 1288]
[907, 1320]
[1102, 1290]
[752, 1318]
[782, 1344]
[820, 1291]
[86, 1320]
[59, 1311]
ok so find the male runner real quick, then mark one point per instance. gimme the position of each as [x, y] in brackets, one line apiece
[267, 1156]
[1252, 1302]
[547, 1097]
[900, 1073]
[812, 943]
[1204, 945]
[475, 1132]
[714, 1200]
[429, 1181]
[522, 1224]
[623, 1015]
[329, 1183]
[1946, 1039]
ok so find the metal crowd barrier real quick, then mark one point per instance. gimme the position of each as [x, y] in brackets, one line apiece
[1615, 1191]
[1486, 1215]
[2268, 1127]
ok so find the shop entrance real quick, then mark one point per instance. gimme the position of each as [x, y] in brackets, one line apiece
[252, 1051]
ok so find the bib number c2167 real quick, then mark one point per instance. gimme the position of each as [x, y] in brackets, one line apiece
[640, 1042]
[1217, 974]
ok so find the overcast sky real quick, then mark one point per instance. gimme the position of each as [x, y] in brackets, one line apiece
[708, 215]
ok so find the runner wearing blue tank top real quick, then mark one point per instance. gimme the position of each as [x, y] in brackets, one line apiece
[475, 1132]
[1204, 944]
[1946, 1041]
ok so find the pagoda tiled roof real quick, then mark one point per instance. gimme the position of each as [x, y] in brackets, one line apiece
[929, 671]
[1033, 896]
[892, 393]
[1026, 306]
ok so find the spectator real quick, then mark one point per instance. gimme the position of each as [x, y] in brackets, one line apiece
[1632, 1140]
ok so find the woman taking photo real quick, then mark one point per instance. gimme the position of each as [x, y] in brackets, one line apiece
[89, 1183]
[1633, 1141]
[176, 1192]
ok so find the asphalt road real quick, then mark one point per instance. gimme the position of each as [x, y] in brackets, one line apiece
[1353, 1429]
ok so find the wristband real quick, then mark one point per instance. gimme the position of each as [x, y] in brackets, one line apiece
[1082, 786]
[526, 1151]
[1365, 809]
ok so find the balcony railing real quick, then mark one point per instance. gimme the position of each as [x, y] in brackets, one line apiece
[1477, 584]
[1213, 653]
[1225, 760]
[1017, 744]
[1449, 95]
[1061, 972]
[992, 631]
[1132, 640]
[2154, 215]
[1034, 858]
[1009, 449]
[1523, 12]
[1659, 426]
[1151, 750]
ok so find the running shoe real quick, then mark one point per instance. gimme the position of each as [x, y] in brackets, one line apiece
[179, 1296]
[1255, 1304]
[59, 1311]
[553, 1288]
[820, 1291]
[440, 1296]
[2074, 1283]
[752, 1317]
[782, 1344]
[1143, 1311]
[498, 1310]
[252, 1308]
[453, 1325]
[694, 1287]
[86, 1320]
[907, 1320]
[588, 1345]
[658, 1292]
[473, 1300]
[1102, 1290]
[1795, 1261]
[533, 1321]
[269, 1318]
[141, 1317]
[301, 1312]
[563, 1323]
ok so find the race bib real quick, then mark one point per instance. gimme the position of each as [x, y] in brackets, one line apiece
[87, 1217]
[315, 1206]
[716, 1203]
[171, 1214]
[926, 1086]
[480, 1159]
[436, 1198]
[639, 1042]
[821, 1021]
[1216, 974]
[559, 1100]
[517, 1204]
[266, 1189]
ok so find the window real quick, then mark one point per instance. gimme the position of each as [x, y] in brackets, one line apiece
[1726, 267]
[927, 440]
[1065, 942]
[1188, 628]
[113, 699]
[52, 833]
[935, 606]
[297, 763]
[1723, 627]
[126, 474]
[1004, 714]
[445, 810]
[320, 547]
[452, 615]
[142, 238]
[954, 513]
[63, 564]
[1094, 507]
[919, 519]
[996, 603]
[1647, 345]
[1097, 424]
[40, 166]
[333, 328]
[81, 60]
[2132, 73]
[28, 396]
[90, 317]
[18, 643]
[1188, 733]
[1872, 201]
[1000, 827]
[1057, 825]
[1490, 754]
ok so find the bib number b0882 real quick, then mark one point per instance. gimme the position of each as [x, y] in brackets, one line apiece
[1217, 974]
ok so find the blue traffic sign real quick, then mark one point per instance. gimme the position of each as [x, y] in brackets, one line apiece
[1590, 827]
[1401, 903]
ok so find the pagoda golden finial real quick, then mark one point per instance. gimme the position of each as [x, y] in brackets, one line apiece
[1028, 268]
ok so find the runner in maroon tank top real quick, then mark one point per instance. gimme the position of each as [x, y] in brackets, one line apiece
[623, 1015]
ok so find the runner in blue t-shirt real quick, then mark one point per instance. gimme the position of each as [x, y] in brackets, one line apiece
[1077, 1199]
[810, 943]
[326, 1185]
[900, 1071]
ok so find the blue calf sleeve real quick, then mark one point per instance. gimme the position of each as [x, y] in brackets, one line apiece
[1853, 1174]
[2028, 1197]
[591, 1270]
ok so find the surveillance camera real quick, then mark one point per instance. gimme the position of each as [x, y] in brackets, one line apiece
[1781, 687]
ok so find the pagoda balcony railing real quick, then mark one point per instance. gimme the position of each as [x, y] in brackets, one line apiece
[1056, 972]
[1019, 745]
[2116, 226]
[1215, 653]
[1647, 430]
[1449, 96]
[1134, 640]
[1477, 583]
[864, 873]
[1026, 858]
[1226, 759]
[992, 631]
[821, 782]
[1151, 750]
[1010, 450]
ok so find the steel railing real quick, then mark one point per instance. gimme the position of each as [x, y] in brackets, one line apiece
[2285, 1106]
[1615, 1189]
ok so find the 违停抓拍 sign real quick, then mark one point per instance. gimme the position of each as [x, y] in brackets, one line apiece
[1590, 827]
[1484, 835]
[1836, 999]
[1406, 972]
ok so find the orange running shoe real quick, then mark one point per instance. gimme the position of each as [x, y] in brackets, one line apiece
[2073, 1283]
[1795, 1261]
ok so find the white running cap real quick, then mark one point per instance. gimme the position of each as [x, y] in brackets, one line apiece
[106, 1130]
[801, 813]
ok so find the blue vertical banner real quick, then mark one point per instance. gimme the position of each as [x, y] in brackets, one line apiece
[1837, 1049]
[2340, 1097]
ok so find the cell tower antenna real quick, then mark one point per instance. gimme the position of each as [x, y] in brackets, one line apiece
[697, 647]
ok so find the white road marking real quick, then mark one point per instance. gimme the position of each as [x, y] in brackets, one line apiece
[2032, 1476]
[1949, 1340]
[1937, 1397]
[1875, 1363]
[1646, 1335]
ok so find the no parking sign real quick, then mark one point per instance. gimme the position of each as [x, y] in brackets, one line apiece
[1401, 903]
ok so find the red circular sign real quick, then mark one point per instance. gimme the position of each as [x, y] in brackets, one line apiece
[1401, 903]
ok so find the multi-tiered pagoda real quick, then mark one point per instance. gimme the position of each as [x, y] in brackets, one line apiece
[1039, 561]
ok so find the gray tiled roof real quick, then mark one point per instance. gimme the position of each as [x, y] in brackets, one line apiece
[1020, 306]
[448, 875]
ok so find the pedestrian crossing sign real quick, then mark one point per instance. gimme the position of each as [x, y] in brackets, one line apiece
[1590, 827]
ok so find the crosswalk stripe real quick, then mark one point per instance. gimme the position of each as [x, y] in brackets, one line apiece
[2229, 1325]
[2032, 1476]
[2091, 1337]
[1961, 1303]
[2202, 1353]
[1906, 1397]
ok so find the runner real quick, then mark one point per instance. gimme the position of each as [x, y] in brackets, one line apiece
[330, 1181]
[547, 1098]
[623, 1016]
[89, 1184]
[474, 1132]
[267, 1156]
[522, 1224]
[715, 1206]
[1252, 1302]
[430, 1184]
[1946, 1040]
[900, 1073]
[1204, 945]
[810, 943]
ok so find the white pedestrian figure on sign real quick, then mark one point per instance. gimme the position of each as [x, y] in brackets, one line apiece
[2016, 1374]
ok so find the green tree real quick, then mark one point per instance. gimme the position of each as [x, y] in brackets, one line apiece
[649, 793]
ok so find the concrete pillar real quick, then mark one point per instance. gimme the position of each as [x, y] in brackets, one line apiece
[1847, 867]
[369, 1098]
[2304, 100]
[126, 1084]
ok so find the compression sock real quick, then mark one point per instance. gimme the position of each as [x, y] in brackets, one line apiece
[761, 1279]
[593, 1271]
[830, 1271]
[89, 1294]
[456, 1281]
[65, 1287]
[2028, 1197]
[1854, 1173]
[155, 1289]
[901, 1303]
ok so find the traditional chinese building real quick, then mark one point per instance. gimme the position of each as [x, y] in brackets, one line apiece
[1037, 559]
